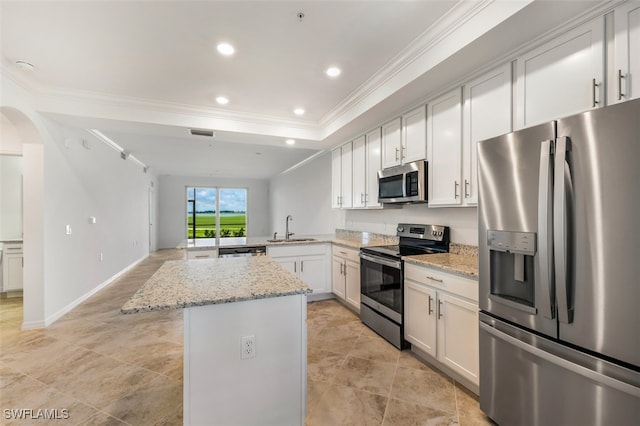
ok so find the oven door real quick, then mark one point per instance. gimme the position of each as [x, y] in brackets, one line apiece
[381, 285]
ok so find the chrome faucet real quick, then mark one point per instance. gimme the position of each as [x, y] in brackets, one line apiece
[287, 234]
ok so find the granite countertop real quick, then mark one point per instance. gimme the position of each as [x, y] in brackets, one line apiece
[188, 283]
[352, 239]
[460, 264]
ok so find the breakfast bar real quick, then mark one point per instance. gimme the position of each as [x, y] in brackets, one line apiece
[245, 343]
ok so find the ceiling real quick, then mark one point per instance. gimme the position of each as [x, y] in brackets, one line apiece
[143, 72]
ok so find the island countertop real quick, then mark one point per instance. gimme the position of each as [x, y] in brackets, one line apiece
[181, 284]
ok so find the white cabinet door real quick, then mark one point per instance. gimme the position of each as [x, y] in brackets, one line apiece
[12, 265]
[420, 317]
[290, 263]
[338, 281]
[374, 143]
[557, 79]
[352, 287]
[487, 113]
[414, 136]
[627, 52]
[359, 172]
[391, 143]
[444, 135]
[312, 271]
[202, 254]
[336, 175]
[458, 344]
[347, 175]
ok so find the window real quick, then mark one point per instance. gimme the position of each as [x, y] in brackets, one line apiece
[216, 212]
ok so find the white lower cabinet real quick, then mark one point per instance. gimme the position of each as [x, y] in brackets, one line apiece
[309, 262]
[441, 318]
[346, 275]
[12, 264]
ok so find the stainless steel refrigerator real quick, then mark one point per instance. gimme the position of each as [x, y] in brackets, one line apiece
[559, 264]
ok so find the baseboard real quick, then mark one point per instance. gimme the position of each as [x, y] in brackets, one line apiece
[427, 359]
[314, 297]
[60, 313]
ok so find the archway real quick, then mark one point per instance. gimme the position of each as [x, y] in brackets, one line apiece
[32, 215]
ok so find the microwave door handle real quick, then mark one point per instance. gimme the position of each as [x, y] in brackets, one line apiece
[544, 260]
[562, 226]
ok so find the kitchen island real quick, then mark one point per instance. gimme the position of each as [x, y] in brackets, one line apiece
[244, 338]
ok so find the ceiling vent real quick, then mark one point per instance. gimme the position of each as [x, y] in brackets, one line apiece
[202, 132]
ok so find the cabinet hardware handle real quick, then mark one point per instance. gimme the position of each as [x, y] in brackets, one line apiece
[201, 256]
[295, 266]
[620, 77]
[345, 268]
[341, 269]
[343, 252]
[302, 266]
[455, 188]
[430, 308]
[434, 279]
[362, 198]
[466, 188]
[397, 151]
[403, 149]
[439, 309]
[594, 86]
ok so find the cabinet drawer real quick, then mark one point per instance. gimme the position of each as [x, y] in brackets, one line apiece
[296, 250]
[347, 253]
[454, 284]
[202, 254]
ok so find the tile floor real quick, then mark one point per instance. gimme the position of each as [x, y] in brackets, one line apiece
[106, 368]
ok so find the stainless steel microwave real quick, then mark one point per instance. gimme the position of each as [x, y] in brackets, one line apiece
[406, 183]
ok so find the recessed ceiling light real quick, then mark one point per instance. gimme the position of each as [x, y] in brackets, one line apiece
[298, 111]
[25, 65]
[226, 49]
[333, 71]
[222, 100]
[290, 142]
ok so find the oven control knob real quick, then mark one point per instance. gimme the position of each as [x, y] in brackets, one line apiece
[434, 233]
[400, 228]
[440, 234]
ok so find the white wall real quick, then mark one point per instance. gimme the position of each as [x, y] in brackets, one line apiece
[305, 193]
[462, 221]
[81, 183]
[10, 197]
[173, 205]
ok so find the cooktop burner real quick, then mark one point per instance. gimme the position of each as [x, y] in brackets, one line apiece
[414, 240]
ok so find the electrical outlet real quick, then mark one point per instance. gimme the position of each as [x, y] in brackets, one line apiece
[248, 347]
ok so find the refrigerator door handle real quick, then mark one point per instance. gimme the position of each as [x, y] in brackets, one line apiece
[562, 221]
[545, 231]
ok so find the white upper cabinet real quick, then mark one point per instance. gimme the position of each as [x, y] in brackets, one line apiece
[562, 77]
[627, 52]
[347, 175]
[342, 176]
[336, 177]
[373, 149]
[444, 135]
[391, 143]
[487, 113]
[414, 136]
[359, 172]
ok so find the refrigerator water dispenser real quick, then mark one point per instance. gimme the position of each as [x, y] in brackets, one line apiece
[511, 263]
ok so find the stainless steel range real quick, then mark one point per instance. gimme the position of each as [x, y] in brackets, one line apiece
[382, 277]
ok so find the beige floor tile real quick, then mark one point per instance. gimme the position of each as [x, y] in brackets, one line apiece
[469, 411]
[400, 413]
[323, 365]
[427, 388]
[371, 376]
[376, 349]
[409, 360]
[103, 419]
[173, 419]
[346, 406]
[315, 392]
[158, 399]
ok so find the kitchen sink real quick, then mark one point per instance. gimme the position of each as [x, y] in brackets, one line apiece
[291, 240]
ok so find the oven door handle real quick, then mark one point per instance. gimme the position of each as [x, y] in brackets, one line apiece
[391, 263]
